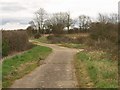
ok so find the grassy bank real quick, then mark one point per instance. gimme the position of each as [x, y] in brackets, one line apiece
[95, 69]
[19, 65]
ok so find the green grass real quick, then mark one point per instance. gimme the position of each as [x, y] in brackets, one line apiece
[102, 71]
[19, 65]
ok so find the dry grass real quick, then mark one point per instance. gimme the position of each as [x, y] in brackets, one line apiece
[102, 71]
[77, 35]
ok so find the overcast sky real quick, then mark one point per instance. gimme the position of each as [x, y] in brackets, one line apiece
[15, 14]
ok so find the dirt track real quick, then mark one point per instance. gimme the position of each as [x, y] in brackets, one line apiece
[56, 72]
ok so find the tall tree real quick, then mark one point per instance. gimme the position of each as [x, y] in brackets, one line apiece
[108, 18]
[70, 21]
[40, 18]
[57, 22]
[84, 22]
[114, 18]
[102, 18]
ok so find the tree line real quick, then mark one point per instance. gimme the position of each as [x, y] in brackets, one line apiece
[61, 22]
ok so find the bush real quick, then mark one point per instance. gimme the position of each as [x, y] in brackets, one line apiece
[82, 39]
[104, 31]
[104, 36]
[61, 39]
[14, 41]
[31, 31]
[37, 35]
[5, 48]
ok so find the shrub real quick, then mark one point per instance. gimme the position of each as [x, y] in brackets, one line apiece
[61, 39]
[82, 39]
[37, 35]
[104, 31]
[104, 36]
[31, 31]
[5, 48]
[14, 41]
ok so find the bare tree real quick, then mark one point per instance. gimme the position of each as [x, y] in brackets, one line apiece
[84, 22]
[48, 25]
[40, 18]
[108, 18]
[102, 18]
[69, 21]
[32, 24]
[113, 18]
[57, 22]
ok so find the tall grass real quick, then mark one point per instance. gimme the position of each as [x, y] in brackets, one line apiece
[102, 71]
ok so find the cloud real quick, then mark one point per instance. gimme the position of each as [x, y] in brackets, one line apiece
[24, 20]
[22, 11]
[11, 7]
[13, 26]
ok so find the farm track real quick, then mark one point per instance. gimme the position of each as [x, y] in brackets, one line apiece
[56, 71]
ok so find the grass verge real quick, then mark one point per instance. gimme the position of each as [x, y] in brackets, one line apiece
[19, 65]
[95, 69]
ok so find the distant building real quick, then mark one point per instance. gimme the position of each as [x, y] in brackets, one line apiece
[71, 27]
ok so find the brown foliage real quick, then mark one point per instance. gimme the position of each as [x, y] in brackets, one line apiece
[104, 36]
[15, 40]
[61, 39]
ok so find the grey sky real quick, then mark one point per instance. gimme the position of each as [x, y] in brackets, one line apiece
[11, 7]
[20, 12]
